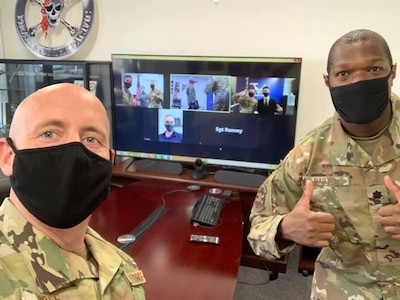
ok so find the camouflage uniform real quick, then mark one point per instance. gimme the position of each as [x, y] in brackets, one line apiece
[191, 96]
[126, 97]
[362, 261]
[218, 87]
[247, 104]
[156, 99]
[33, 267]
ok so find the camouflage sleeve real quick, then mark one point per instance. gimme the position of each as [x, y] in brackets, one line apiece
[126, 99]
[238, 98]
[275, 198]
[235, 98]
[159, 96]
[208, 88]
[191, 92]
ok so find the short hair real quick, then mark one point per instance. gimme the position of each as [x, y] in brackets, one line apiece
[265, 87]
[169, 115]
[127, 75]
[355, 36]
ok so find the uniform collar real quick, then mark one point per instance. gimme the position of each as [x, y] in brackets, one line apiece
[346, 151]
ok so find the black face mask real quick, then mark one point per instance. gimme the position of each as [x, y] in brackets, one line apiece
[266, 94]
[361, 102]
[127, 85]
[251, 94]
[169, 127]
[60, 185]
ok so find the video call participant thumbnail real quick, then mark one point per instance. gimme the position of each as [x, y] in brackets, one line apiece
[170, 135]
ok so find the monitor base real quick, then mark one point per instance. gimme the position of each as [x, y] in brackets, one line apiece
[239, 178]
[159, 166]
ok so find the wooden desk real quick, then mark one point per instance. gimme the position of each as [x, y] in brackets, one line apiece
[124, 173]
[174, 267]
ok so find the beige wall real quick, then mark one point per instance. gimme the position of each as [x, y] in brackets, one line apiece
[302, 28]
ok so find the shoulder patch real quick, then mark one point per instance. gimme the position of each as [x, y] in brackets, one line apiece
[260, 199]
[136, 277]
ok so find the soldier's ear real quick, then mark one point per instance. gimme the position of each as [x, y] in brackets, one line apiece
[393, 71]
[6, 157]
[326, 79]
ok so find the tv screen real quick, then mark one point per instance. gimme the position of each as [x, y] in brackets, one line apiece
[180, 108]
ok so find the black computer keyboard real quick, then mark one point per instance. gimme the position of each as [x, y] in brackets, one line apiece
[206, 210]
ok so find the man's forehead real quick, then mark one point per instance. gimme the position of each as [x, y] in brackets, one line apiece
[363, 50]
[47, 104]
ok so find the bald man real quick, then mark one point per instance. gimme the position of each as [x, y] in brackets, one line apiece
[59, 162]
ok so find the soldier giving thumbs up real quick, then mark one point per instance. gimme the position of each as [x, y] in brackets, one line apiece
[390, 214]
[306, 227]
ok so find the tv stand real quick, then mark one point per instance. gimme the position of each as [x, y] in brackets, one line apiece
[152, 165]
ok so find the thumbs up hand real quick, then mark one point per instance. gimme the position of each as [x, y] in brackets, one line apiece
[390, 214]
[306, 227]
